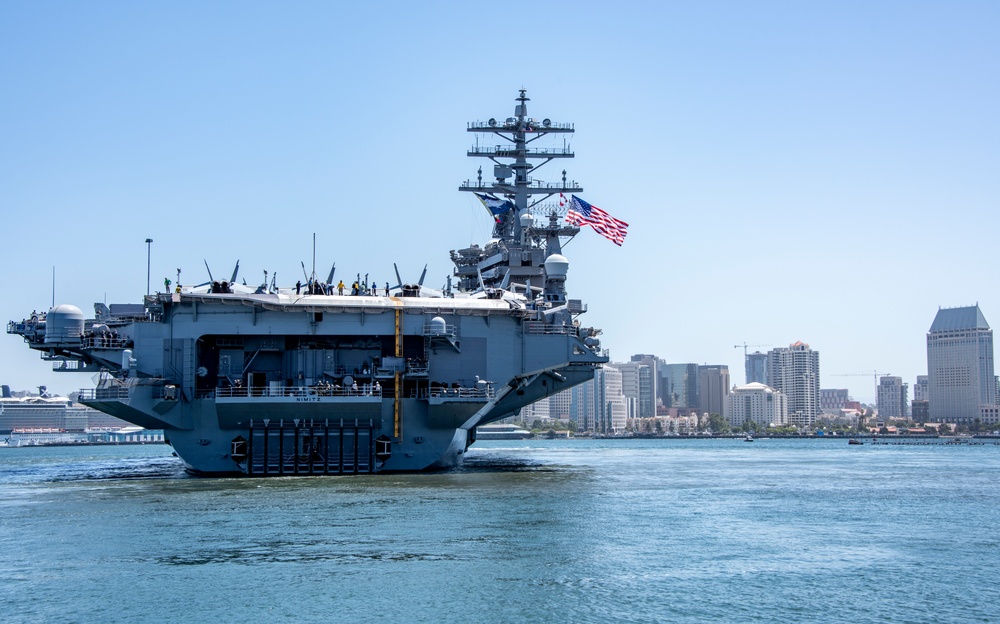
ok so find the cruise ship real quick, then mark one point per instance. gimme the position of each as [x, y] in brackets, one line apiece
[42, 419]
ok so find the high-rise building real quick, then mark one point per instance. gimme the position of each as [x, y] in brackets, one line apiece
[833, 399]
[893, 398]
[795, 372]
[597, 406]
[610, 406]
[560, 405]
[756, 367]
[537, 410]
[920, 388]
[581, 400]
[679, 385]
[650, 392]
[758, 403]
[638, 385]
[713, 389]
[960, 365]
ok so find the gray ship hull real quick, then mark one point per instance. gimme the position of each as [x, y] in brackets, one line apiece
[265, 399]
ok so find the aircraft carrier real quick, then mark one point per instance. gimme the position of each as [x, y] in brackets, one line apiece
[316, 379]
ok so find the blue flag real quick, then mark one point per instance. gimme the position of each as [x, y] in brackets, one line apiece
[495, 205]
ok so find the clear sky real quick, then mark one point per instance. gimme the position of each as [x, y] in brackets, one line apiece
[818, 171]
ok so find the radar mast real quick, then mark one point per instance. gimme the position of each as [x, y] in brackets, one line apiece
[520, 243]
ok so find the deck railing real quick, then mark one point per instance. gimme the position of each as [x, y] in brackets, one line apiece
[362, 390]
[538, 327]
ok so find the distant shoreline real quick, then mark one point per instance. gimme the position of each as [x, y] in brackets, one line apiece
[50, 444]
[868, 436]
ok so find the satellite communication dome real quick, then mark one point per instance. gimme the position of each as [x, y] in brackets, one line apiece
[64, 323]
[527, 220]
[556, 266]
[438, 326]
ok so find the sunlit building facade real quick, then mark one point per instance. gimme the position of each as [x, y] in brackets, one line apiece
[960, 365]
[758, 403]
[794, 371]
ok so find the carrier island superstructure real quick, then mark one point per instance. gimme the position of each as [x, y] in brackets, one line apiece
[306, 380]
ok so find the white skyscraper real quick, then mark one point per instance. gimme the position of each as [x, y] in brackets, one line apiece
[610, 405]
[795, 372]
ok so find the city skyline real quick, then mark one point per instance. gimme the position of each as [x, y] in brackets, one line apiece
[773, 160]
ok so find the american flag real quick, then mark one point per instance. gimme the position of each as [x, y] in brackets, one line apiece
[582, 213]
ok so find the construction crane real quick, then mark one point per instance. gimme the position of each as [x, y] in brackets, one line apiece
[745, 346]
[874, 375]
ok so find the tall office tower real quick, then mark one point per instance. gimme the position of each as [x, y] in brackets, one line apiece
[679, 385]
[756, 367]
[832, 399]
[582, 405]
[630, 384]
[960, 365]
[560, 405]
[795, 372]
[920, 388]
[650, 394]
[609, 404]
[637, 385]
[713, 389]
[539, 409]
[893, 399]
[762, 404]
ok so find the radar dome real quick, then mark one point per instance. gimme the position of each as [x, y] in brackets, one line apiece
[527, 220]
[438, 327]
[64, 323]
[556, 266]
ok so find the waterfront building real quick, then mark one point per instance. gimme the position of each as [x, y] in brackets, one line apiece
[610, 407]
[713, 389]
[794, 371]
[582, 406]
[560, 405]
[989, 415]
[639, 386]
[756, 367]
[919, 410]
[920, 388]
[679, 385]
[893, 398]
[960, 365]
[832, 400]
[596, 406]
[758, 403]
[539, 410]
[648, 382]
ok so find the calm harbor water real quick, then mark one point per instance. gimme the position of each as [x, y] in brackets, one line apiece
[553, 531]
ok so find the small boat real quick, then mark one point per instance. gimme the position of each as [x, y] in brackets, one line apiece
[748, 438]
[854, 441]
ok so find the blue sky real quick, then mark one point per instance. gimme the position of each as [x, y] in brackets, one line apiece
[824, 172]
